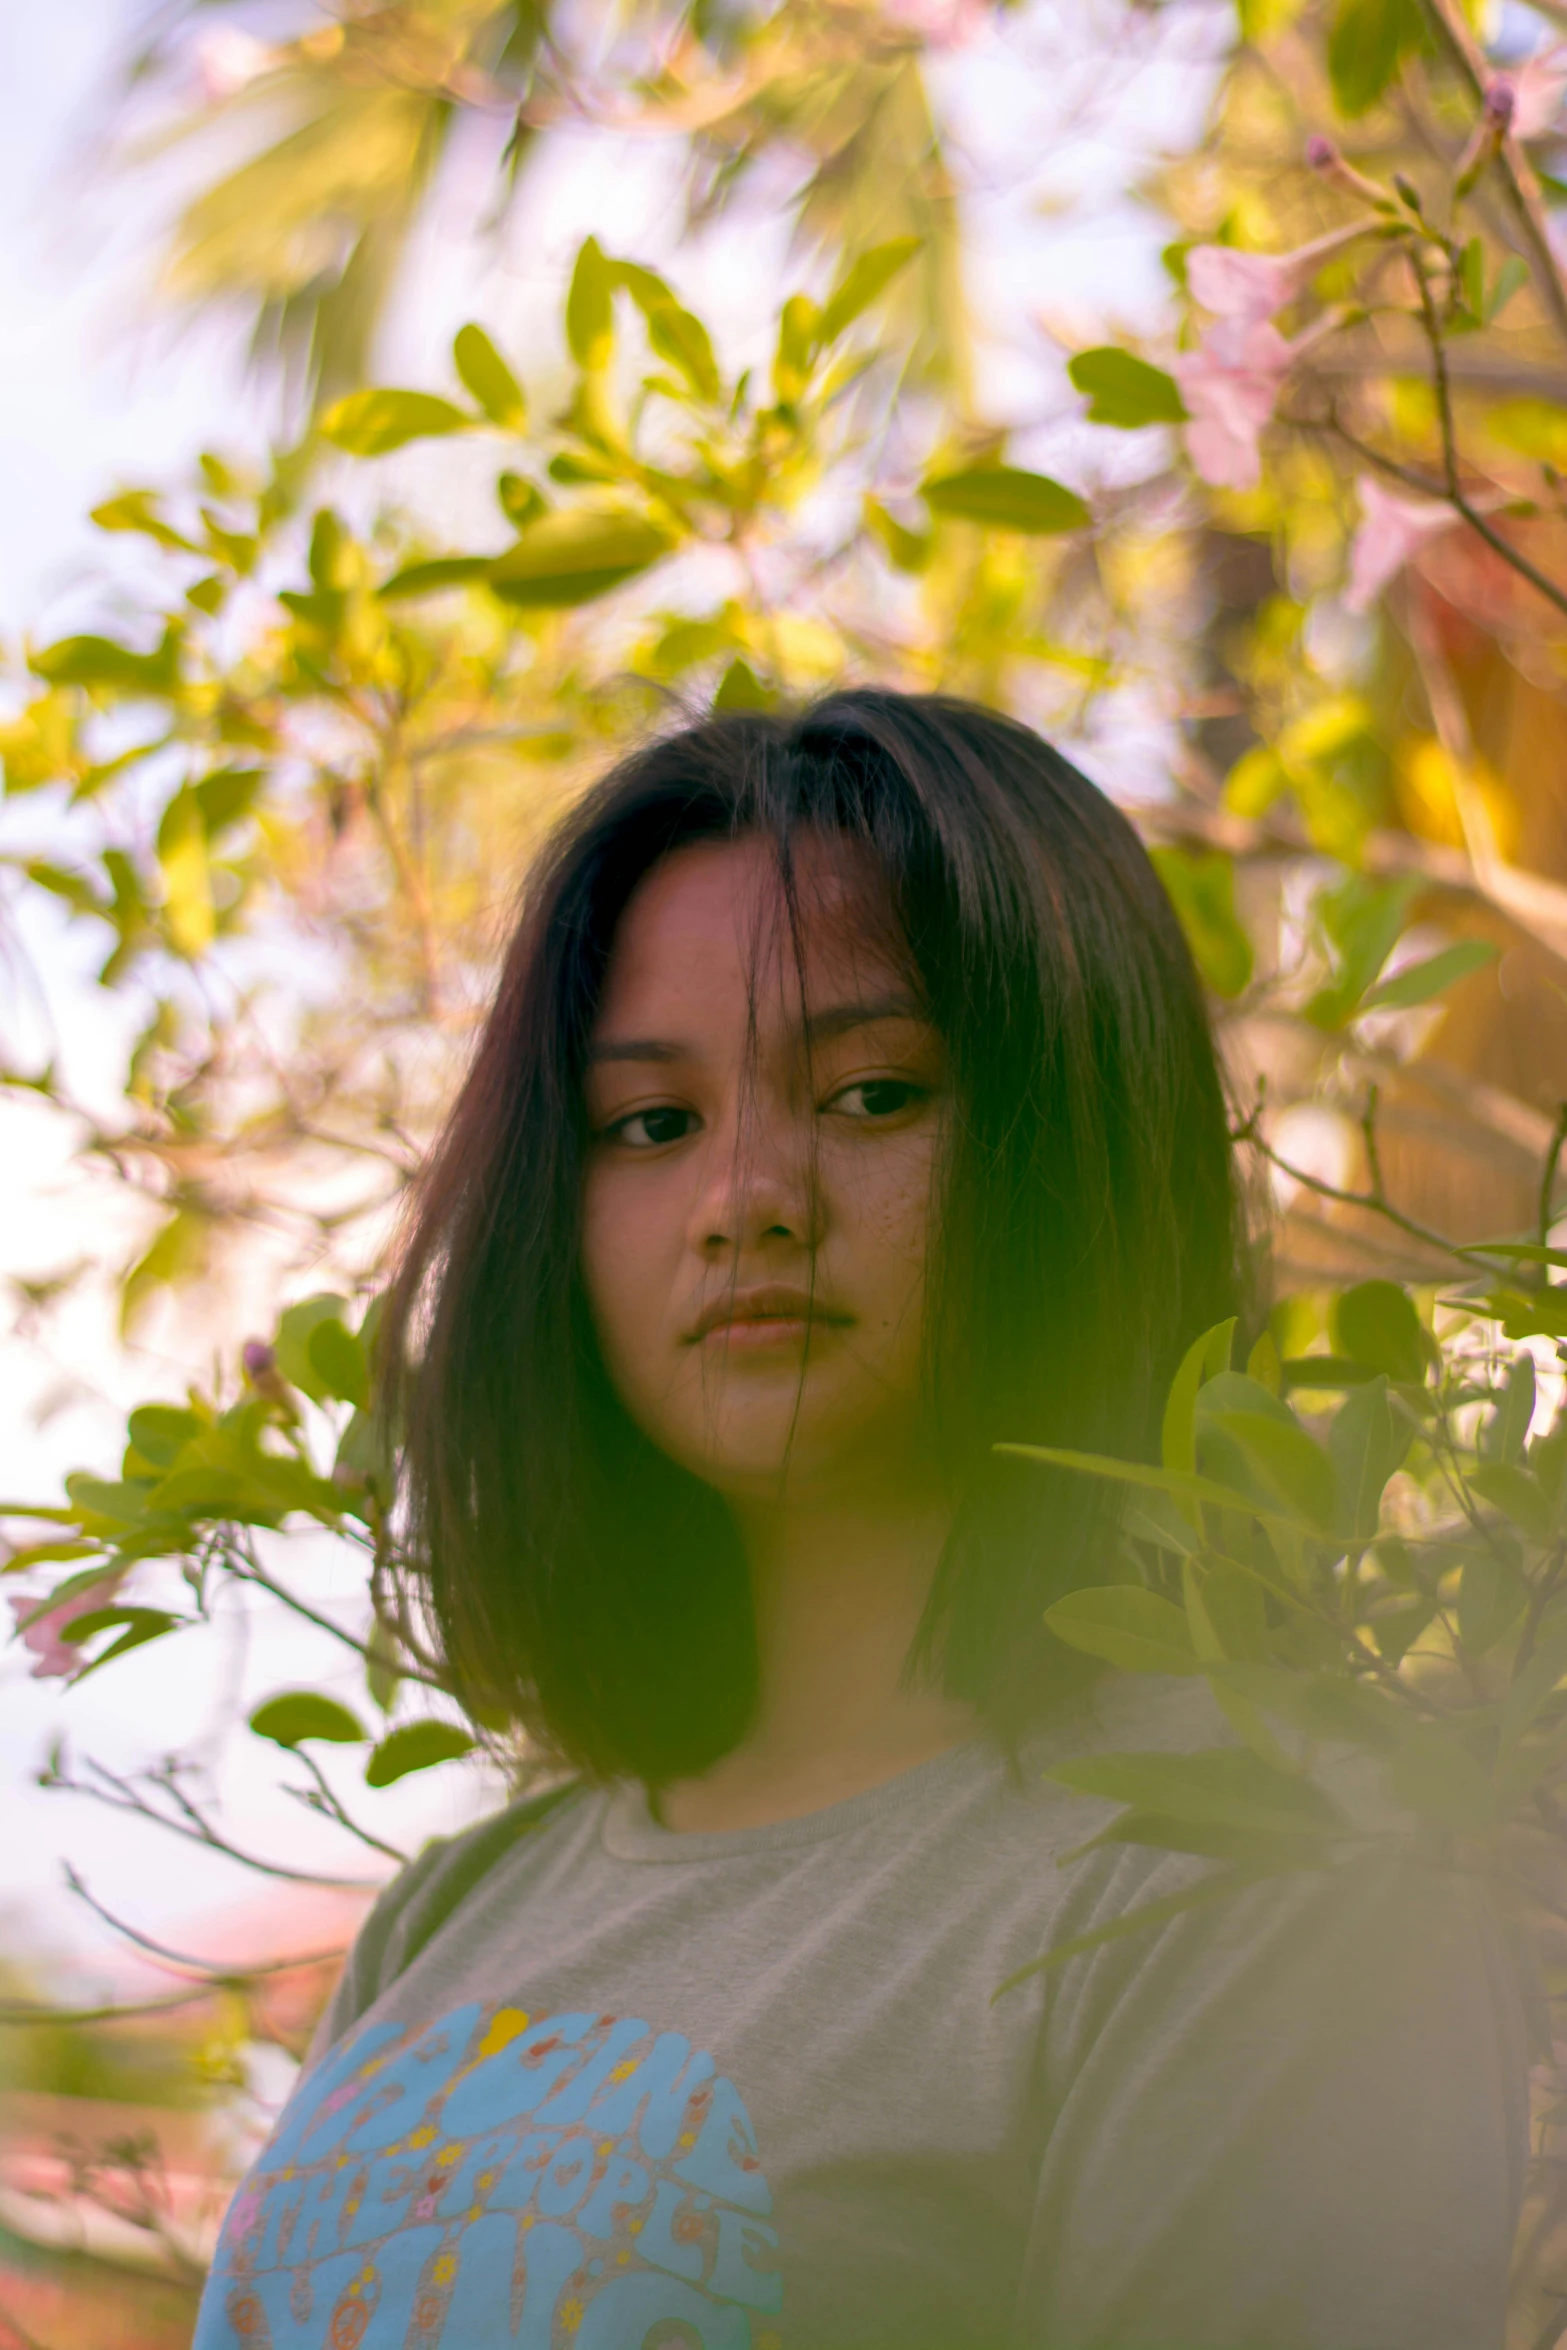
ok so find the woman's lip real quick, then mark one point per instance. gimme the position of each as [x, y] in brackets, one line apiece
[765, 1321]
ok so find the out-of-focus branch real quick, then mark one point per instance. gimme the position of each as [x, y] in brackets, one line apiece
[107, 1787]
[218, 1972]
[1511, 162]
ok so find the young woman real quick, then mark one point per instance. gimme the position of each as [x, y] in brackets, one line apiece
[848, 1105]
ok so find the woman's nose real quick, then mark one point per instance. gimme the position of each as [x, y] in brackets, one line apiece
[758, 1187]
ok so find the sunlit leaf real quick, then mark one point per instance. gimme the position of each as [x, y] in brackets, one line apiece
[1201, 886]
[1004, 498]
[570, 557]
[862, 283]
[415, 1746]
[1125, 391]
[302, 1714]
[1417, 983]
[486, 375]
[370, 424]
[1376, 1324]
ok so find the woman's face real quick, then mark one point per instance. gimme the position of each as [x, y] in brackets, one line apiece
[765, 1118]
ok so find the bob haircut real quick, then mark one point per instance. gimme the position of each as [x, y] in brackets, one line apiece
[1086, 1230]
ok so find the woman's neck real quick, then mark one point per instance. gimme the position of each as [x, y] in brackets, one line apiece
[838, 1592]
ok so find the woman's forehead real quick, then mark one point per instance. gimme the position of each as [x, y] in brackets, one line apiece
[720, 917]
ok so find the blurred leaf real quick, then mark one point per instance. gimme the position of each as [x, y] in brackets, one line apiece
[1361, 922]
[1417, 983]
[1290, 1466]
[590, 309]
[187, 884]
[1538, 1313]
[1228, 1786]
[1517, 1494]
[520, 500]
[486, 375]
[138, 1626]
[227, 796]
[339, 1361]
[294, 1332]
[741, 689]
[1129, 1627]
[1204, 1359]
[415, 1746]
[159, 1430]
[1177, 1483]
[1125, 391]
[680, 337]
[1366, 1444]
[370, 424]
[1536, 1683]
[861, 284]
[301, 1714]
[137, 510]
[1329, 1709]
[907, 550]
[1435, 1776]
[1376, 1324]
[1511, 1422]
[1366, 47]
[1492, 1595]
[799, 329]
[570, 557]
[1201, 886]
[100, 661]
[1003, 498]
[442, 571]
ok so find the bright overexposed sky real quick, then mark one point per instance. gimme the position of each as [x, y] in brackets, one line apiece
[1050, 130]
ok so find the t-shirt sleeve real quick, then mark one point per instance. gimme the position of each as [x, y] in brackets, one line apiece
[1293, 2120]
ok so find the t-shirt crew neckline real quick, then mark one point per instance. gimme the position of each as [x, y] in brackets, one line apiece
[630, 1832]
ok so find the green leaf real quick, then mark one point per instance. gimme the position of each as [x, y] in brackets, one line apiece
[416, 1746]
[1321, 1706]
[99, 661]
[799, 326]
[486, 375]
[590, 309]
[1129, 1627]
[441, 571]
[1172, 1481]
[1376, 1324]
[1201, 887]
[862, 283]
[1226, 1785]
[680, 337]
[1396, 1631]
[339, 1361]
[1004, 498]
[1360, 920]
[227, 796]
[1417, 983]
[1289, 1466]
[1510, 279]
[1535, 1684]
[160, 1431]
[569, 558]
[98, 1497]
[300, 1714]
[741, 689]
[906, 550]
[292, 1346]
[1326, 1371]
[139, 1625]
[1366, 47]
[1492, 1595]
[1203, 1359]
[137, 510]
[1517, 1493]
[369, 424]
[1511, 1423]
[521, 501]
[187, 882]
[1125, 391]
[1134, 1921]
[1365, 1444]
[1537, 1313]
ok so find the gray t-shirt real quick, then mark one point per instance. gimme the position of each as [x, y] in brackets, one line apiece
[752, 2091]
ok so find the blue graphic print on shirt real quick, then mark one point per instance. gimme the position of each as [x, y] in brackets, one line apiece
[487, 2182]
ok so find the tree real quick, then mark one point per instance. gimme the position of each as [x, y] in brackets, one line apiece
[1333, 546]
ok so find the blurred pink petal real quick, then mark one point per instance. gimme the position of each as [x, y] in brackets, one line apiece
[941, 24]
[1392, 530]
[228, 60]
[1231, 384]
[57, 1659]
[1250, 287]
[1537, 89]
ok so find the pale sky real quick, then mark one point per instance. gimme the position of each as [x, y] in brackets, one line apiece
[96, 393]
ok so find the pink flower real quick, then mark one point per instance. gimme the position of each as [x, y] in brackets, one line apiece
[57, 1659]
[940, 24]
[1231, 385]
[1250, 287]
[1392, 530]
[1537, 89]
[228, 60]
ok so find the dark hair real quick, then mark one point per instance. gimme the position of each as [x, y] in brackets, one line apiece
[581, 1583]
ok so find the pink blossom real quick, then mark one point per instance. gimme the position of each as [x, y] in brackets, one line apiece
[1537, 89]
[1231, 385]
[1250, 287]
[228, 60]
[57, 1659]
[1392, 530]
[940, 24]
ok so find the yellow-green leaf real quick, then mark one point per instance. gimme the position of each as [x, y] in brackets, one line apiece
[369, 424]
[1005, 498]
[486, 375]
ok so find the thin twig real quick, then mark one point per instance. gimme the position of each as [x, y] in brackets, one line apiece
[220, 1972]
[324, 1798]
[1548, 1174]
[119, 1795]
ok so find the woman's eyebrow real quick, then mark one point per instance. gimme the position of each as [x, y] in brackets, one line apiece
[632, 1048]
[838, 1019]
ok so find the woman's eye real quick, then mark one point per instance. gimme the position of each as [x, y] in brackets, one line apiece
[648, 1130]
[878, 1097]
